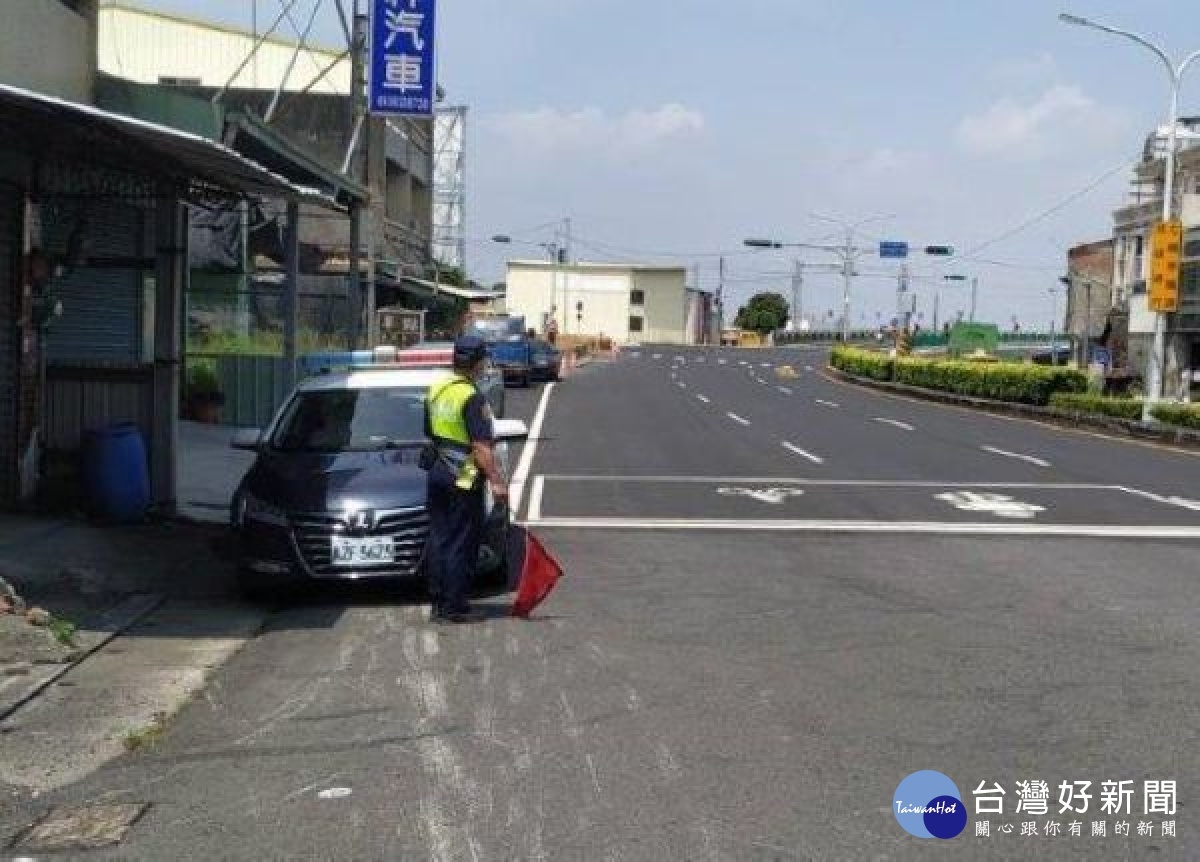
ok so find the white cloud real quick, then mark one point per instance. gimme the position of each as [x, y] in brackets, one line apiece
[1063, 117]
[551, 131]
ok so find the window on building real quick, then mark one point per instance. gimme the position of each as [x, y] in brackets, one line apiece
[173, 81]
[636, 324]
[637, 298]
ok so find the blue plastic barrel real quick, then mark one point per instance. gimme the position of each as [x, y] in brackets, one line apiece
[116, 476]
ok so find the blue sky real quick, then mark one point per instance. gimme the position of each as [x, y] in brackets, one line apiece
[672, 129]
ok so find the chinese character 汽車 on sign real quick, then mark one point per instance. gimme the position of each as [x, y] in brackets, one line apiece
[402, 69]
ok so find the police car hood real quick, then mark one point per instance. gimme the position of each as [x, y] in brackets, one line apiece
[387, 479]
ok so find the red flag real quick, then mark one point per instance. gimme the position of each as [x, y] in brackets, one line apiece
[532, 568]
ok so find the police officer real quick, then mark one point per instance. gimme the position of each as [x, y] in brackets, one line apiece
[459, 421]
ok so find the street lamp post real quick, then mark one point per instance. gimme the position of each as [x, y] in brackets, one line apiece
[1154, 366]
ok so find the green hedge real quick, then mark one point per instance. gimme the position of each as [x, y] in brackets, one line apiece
[1183, 415]
[1000, 381]
[1120, 408]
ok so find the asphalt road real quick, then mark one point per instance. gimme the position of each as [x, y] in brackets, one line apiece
[784, 595]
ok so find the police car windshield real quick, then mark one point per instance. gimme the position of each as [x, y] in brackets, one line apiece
[351, 420]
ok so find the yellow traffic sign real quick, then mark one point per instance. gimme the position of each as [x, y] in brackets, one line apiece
[1166, 250]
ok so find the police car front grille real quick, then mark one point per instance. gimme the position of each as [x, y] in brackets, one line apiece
[408, 528]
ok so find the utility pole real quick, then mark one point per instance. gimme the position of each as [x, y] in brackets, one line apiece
[721, 294]
[937, 303]
[974, 297]
[901, 289]
[847, 277]
[798, 296]
[358, 83]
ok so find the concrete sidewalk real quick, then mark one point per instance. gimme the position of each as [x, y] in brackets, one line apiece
[209, 471]
[157, 611]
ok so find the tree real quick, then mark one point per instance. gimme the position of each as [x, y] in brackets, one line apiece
[765, 312]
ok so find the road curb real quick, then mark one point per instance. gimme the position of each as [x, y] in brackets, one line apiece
[99, 633]
[1068, 418]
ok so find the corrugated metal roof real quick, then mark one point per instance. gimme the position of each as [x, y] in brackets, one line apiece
[467, 293]
[48, 124]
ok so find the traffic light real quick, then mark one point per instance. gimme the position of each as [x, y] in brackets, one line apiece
[1166, 251]
[939, 250]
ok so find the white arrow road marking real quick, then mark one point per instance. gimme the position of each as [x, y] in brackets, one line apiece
[738, 419]
[796, 450]
[704, 398]
[904, 426]
[1029, 459]
[832, 404]
[773, 496]
[994, 504]
[784, 390]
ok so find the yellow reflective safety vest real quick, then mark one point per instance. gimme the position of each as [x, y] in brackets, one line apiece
[446, 402]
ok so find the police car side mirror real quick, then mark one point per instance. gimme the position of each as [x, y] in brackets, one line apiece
[510, 430]
[247, 439]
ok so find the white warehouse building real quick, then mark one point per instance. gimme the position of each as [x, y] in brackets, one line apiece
[628, 303]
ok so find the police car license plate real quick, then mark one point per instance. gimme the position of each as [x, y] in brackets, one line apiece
[358, 552]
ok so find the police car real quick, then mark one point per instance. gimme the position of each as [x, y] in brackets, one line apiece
[335, 492]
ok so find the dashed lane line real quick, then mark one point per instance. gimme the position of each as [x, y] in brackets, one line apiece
[796, 450]
[895, 423]
[830, 404]
[1029, 459]
[784, 390]
[704, 399]
[738, 419]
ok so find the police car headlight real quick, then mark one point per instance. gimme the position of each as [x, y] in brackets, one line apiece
[254, 509]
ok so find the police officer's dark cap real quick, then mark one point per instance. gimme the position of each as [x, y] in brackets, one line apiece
[469, 349]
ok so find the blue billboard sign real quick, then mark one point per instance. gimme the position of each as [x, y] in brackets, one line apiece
[402, 76]
[897, 250]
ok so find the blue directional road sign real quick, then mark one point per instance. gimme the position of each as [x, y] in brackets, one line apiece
[403, 74]
[897, 250]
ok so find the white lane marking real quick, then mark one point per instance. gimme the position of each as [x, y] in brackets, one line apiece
[526, 462]
[1181, 502]
[738, 419]
[763, 381]
[784, 390]
[808, 368]
[833, 483]
[1000, 505]
[722, 361]
[764, 365]
[743, 362]
[535, 497]
[704, 398]
[335, 793]
[681, 385]
[1038, 462]
[904, 426]
[1087, 531]
[796, 450]
[657, 356]
[832, 404]
[773, 496]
